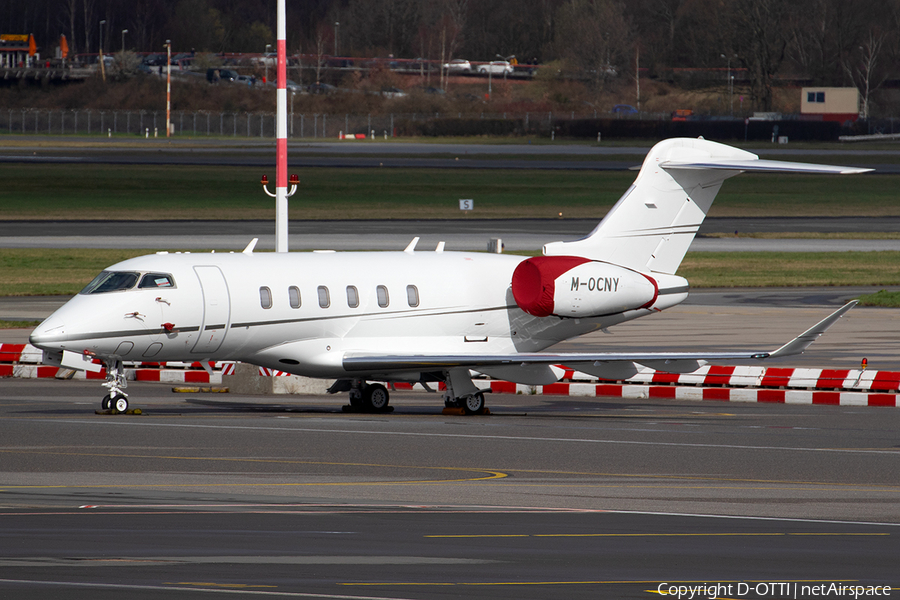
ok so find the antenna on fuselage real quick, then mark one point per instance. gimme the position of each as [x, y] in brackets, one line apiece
[281, 180]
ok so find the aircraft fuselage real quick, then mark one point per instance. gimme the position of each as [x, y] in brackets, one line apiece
[300, 312]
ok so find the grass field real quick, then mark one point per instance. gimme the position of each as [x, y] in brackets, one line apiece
[36, 272]
[49, 191]
[88, 192]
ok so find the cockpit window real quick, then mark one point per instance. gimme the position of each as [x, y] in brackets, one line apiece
[156, 280]
[111, 281]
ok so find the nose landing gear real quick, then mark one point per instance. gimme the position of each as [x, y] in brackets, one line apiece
[116, 399]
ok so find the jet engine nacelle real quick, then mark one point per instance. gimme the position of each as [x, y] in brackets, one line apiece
[571, 286]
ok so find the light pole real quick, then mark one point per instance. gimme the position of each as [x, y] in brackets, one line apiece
[730, 83]
[336, 29]
[266, 60]
[100, 45]
[168, 88]
[124, 31]
[506, 59]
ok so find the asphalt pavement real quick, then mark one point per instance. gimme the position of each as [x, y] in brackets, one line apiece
[517, 235]
[224, 495]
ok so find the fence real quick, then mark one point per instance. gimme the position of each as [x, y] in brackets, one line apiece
[324, 125]
[223, 124]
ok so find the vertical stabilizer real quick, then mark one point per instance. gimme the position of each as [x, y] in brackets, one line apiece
[651, 227]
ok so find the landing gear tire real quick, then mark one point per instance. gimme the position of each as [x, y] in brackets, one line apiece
[376, 397]
[473, 403]
[117, 402]
[116, 399]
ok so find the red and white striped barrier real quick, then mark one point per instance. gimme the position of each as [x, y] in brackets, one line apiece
[846, 387]
[24, 360]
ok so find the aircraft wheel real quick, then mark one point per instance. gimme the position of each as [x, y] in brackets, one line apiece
[106, 403]
[121, 403]
[377, 397]
[473, 403]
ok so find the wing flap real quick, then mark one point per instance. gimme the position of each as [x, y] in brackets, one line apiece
[677, 361]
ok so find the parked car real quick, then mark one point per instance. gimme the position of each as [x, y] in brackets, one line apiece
[223, 75]
[624, 109]
[270, 59]
[393, 93]
[320, 88]
[496, 67]
[154, 60]
[458, 65]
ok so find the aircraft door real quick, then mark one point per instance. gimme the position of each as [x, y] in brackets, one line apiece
[216, 309]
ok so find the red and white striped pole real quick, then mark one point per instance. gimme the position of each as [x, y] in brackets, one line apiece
[168, 87]
[281, 179]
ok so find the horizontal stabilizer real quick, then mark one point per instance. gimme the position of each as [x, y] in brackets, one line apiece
[763, 166]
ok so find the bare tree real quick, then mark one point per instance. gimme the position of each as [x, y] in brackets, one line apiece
[323, 41]
[863, 68]
[70, 9]
[594, 36]
[760, 33]
[88, 7]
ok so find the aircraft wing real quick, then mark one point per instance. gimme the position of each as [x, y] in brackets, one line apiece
[676, 361]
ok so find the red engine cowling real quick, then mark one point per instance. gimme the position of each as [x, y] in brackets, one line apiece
[571, 286]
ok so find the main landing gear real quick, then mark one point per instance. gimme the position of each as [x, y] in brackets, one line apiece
[369, 397]
[374, 397]
[472, 404]
[462, 393]
[116, 399]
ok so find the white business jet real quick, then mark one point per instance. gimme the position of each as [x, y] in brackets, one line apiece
[368, 318]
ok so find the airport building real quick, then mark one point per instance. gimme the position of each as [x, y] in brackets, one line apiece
[830, 103]
[17, 50]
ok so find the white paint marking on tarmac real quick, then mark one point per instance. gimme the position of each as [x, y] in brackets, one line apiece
[502, 438]
[182, 588]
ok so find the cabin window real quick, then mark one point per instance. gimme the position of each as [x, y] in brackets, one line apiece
[156, 280]
[294, 296]
[265, 297]
[383, 298]
[352, 296]
[324, 297]
[412, 295]
[111, 281]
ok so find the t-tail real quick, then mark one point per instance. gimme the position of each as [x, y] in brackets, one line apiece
[652, 226]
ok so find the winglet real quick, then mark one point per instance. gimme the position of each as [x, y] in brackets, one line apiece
[250, 246]
[803, 341]
[412, 245]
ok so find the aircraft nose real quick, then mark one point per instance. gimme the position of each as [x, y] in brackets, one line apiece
[47, 334]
